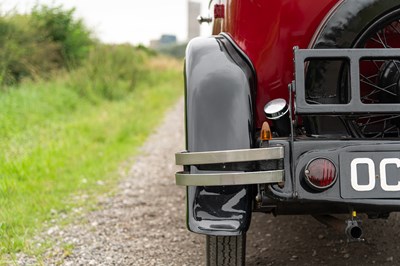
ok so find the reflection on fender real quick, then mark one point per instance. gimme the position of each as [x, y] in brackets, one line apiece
[372, 175]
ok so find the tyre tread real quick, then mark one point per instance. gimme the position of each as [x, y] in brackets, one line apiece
[225, 250]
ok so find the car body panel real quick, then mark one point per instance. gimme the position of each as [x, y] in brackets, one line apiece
[220, 86]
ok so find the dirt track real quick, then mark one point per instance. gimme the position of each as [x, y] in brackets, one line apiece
[301, 240]
[144, 224]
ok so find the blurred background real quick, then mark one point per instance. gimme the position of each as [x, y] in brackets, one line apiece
[82, 86]
[156, 23]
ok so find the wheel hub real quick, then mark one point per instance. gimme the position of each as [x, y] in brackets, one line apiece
[389, 78]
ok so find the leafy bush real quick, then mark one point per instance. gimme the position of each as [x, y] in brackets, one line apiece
[24, 53]
[146, 50]
[36, 45]
[110, 72]
[60, 26]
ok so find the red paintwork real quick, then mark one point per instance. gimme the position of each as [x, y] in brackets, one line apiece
[219, 11]
[267, 31]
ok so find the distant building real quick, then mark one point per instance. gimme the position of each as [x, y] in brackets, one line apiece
[154, 44]
[194, 9]
[166, 40]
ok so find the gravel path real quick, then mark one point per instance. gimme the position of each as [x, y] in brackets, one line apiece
[301, 240]
[144, 224]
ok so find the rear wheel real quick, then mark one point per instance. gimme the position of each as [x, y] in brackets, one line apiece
[380, 79]
[328, 82]
[226, 250]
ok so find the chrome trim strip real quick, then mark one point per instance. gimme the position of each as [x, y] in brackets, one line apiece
[230, 156]
[229, 179]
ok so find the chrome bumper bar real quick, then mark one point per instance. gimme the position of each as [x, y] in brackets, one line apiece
[229, 178]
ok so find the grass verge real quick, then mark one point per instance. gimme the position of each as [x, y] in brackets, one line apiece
[55, 145]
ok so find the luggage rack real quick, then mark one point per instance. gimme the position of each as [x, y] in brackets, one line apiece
[355, 105]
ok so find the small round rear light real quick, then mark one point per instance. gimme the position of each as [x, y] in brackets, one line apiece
[320, 173]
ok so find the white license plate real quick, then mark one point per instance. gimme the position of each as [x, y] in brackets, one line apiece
[370, 174]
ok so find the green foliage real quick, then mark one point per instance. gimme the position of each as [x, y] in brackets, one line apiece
[146, 50]
[60, 26]
[36, 45]
[64, 134]
[57, 146]
[23, 51]
[110, 72]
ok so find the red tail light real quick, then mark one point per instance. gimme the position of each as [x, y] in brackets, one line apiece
[320, 173]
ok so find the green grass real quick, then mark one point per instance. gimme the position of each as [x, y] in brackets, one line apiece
[56, 145]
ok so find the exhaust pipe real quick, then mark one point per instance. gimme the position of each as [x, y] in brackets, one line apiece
[353, 230]
[352, 227]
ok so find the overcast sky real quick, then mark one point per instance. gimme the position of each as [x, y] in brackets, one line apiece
[119, 21]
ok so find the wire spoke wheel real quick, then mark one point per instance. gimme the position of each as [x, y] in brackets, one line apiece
[379, 80]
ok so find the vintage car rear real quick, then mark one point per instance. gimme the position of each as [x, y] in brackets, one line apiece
[292, 107]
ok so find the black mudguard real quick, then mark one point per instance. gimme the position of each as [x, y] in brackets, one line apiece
[219, 87]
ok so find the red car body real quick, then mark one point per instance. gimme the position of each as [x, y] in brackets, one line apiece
[267, 31]
[326, 74]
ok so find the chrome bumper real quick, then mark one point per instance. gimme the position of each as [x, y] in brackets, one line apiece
[229, 178]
